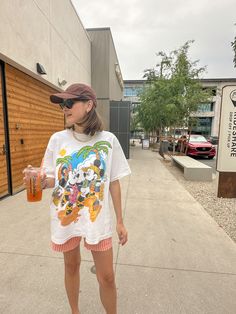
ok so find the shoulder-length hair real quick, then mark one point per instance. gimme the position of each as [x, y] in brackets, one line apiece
[91, 123]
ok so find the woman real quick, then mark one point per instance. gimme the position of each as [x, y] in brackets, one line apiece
[83, 165]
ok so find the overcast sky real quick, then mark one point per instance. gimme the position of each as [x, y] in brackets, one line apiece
[142, 28]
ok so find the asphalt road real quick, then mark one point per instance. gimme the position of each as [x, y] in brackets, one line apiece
[209, 162]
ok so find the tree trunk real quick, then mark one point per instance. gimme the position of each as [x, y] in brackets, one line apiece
[158, 135]
[186, 147]
[174, 141]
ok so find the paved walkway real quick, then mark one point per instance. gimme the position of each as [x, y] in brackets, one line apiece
[177, 260]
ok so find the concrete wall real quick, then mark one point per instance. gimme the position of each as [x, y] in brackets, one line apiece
[100, 72]
[104, 79]
[115, 75]
[100, 62]
[48, 32]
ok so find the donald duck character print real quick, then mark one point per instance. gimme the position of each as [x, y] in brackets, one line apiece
[81, 178]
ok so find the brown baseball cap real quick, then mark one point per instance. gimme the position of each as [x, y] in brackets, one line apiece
[75, 91]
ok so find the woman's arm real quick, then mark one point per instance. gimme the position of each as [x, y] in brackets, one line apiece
[116, 199]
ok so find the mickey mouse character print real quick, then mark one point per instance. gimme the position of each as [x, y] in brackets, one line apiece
[81, 182]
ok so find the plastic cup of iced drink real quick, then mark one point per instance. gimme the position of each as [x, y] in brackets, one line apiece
[33, 177]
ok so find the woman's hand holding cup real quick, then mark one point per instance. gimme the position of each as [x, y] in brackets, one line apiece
[35, 181]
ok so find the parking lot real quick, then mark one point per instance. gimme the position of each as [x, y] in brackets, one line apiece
[209, 162]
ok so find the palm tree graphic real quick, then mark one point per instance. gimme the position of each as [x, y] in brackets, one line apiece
[101, 146]
[65, 160]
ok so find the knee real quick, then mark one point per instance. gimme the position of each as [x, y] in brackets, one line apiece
[72, 267]
[106, 280]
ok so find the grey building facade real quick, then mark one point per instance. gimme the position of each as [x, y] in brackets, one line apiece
[106, 77]
[208, 114]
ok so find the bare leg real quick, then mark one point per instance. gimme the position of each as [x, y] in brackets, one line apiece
[106, 278]
[72, 279]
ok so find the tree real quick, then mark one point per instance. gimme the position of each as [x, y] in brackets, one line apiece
[173, 92]
[97, 148]
[187, 88]
[156, 110]
[134, 122]
[151, 112]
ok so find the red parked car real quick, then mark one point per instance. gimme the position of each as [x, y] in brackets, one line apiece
[199, 146]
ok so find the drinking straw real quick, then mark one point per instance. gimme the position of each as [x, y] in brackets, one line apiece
[33, 179]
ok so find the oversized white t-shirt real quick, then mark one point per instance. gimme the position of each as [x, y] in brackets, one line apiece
[83, 172]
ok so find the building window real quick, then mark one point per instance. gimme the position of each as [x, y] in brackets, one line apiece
[132, 91]
[205, 107]
[212, 90]
[203, 126]
[128, 91]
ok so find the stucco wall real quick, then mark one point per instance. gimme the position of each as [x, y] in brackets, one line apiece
[100, 62]
[104, 79]
[115, 90]
[48, 32]
[100, 72]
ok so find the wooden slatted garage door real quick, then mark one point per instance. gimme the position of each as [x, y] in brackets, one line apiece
[3, 160]
[32, 120]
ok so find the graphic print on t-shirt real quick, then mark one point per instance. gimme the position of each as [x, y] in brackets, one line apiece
[81, 178]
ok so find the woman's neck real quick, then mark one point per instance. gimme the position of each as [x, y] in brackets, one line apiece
[78, 129]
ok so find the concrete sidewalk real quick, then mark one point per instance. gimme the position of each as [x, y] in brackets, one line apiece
[177, 260]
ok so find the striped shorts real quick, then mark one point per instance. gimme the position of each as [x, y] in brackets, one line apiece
[72, 243]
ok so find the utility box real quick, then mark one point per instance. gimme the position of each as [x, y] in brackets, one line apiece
[164, 145]
[120, 123]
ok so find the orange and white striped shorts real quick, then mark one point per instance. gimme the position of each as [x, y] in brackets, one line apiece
[72, 243]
